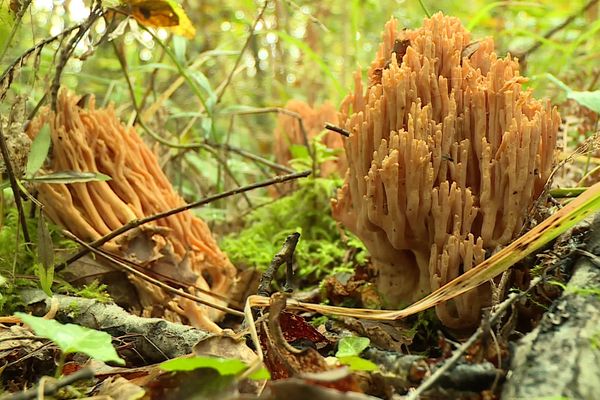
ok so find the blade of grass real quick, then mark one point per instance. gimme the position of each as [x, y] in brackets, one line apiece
[577, 210]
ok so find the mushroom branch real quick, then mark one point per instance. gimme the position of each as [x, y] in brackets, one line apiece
[446, 154]
[179, 246]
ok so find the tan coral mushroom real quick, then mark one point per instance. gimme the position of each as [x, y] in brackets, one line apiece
[447, 152]
[94, 140]
[288, 132]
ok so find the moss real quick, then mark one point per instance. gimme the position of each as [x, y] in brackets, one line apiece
[324, 248]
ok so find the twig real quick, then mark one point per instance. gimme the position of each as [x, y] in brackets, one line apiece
[251, 156]
[206, 144]
[138, 112]
[337, 129]
[166, 278]
[147, 278]
[285, 255]
[239, 58]
[556, 29]
[53, 387]
[14, 186]
[281, 110]
[67, 51]
[22, 337]
[496, 314]
[138, 222]
[9, 71]
[16, 24]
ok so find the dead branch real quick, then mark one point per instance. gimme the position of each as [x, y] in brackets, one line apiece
[567, 333]
[150, 279]
[172, 340]
[52, 387]
[138, 222]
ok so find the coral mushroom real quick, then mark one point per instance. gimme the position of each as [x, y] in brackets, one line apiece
[447, 152]
[94, 140]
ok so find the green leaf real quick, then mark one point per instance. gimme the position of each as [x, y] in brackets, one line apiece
[179, 48]
[45, 268]
[299, 151]
[223, 366]
[352, 346]
[72, 338]
[70, 177]
[7, 22]
[260, 375]
[588, 99]
[358, 364]
[39, 151]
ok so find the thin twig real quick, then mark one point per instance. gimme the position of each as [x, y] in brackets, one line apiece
[337, 129]
[148, 278]
[53, 387]
[239, 58]
[138, 222]
[556, 29]
[206, 144]
[496, 314]
[16, 25]
[9, 71]
[251, 156]
[67, 52]
[166, 278]
[293, 114]
[22, 337]
[14, 186]
[138, 112]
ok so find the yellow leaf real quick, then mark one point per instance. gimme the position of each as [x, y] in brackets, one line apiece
[166, 14]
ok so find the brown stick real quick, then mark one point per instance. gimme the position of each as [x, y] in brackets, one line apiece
[138, 222]
[556, 29]
[147, 278]
[337, 129]
[53, 387]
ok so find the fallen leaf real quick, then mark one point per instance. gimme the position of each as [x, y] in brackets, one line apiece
[166, 14]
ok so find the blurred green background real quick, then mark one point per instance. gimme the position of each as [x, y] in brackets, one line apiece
[303, 50]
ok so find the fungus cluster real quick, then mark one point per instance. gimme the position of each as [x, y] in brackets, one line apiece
[180, 246]
[447, 152]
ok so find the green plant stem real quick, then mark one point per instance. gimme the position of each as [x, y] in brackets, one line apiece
[60, 365]
[197, 91]
[14, 186]
[424, 8]
[23, 7]
[567, 192]
[239, 58]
